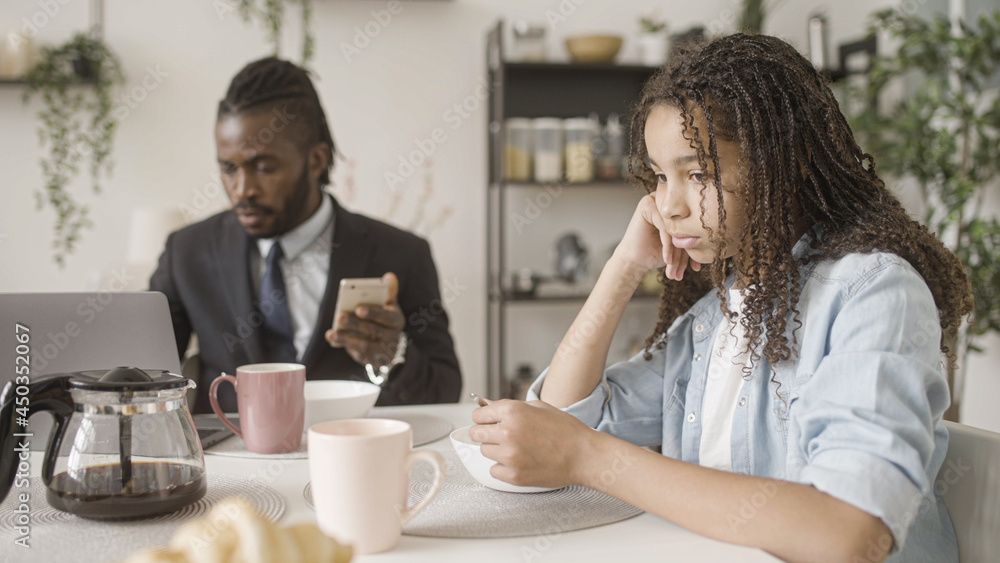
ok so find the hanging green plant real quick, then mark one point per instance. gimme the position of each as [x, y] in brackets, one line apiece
[76, 82]
[271, 14]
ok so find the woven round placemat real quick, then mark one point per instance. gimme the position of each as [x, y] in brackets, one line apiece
[465, 509]
[426, 429]
[60, 536]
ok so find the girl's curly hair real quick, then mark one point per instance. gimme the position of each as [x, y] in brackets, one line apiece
[799, 160]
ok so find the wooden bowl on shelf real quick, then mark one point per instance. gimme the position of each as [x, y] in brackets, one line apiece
[593, 48]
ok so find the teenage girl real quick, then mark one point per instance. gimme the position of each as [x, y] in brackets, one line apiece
[793, 383]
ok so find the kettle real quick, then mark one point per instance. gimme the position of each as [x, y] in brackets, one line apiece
[123, 444]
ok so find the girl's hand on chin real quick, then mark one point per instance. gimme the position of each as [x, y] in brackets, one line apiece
[647, 244]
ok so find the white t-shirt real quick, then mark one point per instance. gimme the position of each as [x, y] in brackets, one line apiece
[722, 390]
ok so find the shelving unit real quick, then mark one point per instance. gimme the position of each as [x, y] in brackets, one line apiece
[530, 90]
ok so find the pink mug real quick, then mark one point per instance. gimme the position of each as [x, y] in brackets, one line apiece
[271, 402]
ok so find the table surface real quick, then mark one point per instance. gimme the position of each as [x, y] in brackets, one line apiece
[643, 538]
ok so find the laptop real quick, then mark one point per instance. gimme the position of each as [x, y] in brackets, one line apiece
[85, 331]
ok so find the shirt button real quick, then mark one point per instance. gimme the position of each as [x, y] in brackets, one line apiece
[697, 357]
[699, 328]
[743, 401]
[691, 417]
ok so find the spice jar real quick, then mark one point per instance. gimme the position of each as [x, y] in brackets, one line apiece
[517, 149]
[579, 149]
[548, 149]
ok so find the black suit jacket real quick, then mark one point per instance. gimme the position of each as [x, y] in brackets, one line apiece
[205, 274]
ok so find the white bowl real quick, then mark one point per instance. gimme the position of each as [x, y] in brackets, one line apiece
[337, 399]
[479, 465]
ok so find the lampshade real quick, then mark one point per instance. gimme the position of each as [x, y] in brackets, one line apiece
[148, 230]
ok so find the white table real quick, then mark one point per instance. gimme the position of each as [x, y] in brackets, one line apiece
[643, 538]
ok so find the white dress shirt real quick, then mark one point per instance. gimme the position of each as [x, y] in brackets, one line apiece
[305, 267]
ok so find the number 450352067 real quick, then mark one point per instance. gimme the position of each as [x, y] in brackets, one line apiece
[22, 368]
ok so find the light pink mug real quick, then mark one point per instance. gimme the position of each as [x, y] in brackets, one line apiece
[360, 470]
[271, 402]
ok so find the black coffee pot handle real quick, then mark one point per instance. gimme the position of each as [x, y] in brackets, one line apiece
[49, 394]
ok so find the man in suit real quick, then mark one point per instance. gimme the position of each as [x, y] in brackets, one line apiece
[259, 283]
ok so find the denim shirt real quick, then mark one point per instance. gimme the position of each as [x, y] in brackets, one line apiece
[860, 406]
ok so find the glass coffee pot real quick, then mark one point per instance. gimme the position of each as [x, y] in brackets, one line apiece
[123, 444]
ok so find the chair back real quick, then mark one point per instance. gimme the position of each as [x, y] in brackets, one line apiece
[969, 482]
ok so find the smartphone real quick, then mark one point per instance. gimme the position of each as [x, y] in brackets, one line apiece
[355, 292]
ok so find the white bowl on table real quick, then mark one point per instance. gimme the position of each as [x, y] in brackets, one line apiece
[338, 399]
[479, 465]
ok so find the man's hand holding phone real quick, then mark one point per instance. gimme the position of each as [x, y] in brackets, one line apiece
[368, 331]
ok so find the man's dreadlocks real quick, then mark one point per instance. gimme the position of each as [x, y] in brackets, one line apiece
[274, 83]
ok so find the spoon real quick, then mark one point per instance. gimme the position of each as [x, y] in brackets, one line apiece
[482, 402]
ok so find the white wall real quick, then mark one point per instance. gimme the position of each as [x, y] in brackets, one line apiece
[426, 59]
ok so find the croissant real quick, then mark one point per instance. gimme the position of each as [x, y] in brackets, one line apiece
[233, 532]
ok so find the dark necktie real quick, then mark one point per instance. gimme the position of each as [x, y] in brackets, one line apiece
[279, 345]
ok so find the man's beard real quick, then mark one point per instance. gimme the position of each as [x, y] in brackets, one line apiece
[290, 215]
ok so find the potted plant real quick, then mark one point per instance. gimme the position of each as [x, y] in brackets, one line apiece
[653, 42]
[76, 82]
[271, 14]
[944, 138]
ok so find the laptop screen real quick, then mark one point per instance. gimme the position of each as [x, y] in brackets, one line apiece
[84, 331]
